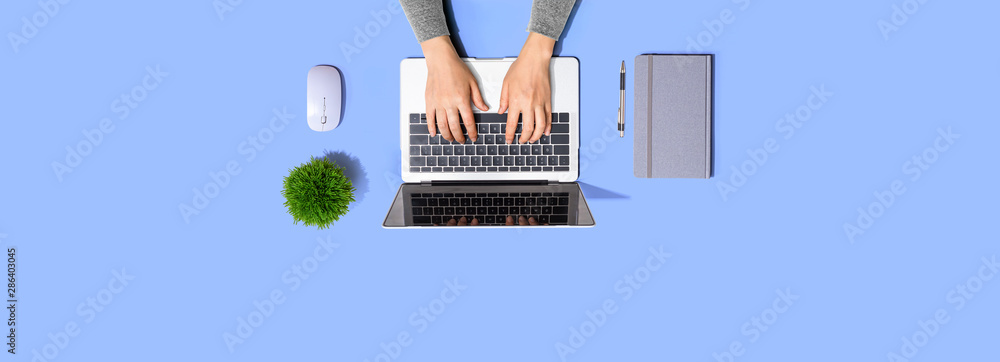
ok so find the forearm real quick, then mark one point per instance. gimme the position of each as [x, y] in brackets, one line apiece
[426, 17]
[548, 17]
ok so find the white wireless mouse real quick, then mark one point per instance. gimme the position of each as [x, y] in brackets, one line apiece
[323, 94]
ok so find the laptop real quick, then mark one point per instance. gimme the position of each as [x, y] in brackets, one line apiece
[489, 180]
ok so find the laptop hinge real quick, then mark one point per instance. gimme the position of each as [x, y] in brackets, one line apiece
[487, 182]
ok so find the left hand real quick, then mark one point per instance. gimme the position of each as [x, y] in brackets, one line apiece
[526, 91]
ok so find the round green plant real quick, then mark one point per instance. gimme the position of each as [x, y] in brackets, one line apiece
[317, 193]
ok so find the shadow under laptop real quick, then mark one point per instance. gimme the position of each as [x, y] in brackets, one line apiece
[354, 171]
[594, 192]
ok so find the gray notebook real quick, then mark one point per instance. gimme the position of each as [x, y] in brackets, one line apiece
[673, 116]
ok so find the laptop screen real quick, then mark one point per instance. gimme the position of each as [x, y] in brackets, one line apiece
[483, 205]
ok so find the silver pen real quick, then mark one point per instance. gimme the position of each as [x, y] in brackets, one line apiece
[621, 105]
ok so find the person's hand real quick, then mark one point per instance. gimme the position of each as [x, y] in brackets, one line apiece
[521, 220]
[526, 90]
[450, 85]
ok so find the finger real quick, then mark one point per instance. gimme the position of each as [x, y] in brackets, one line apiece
[475, 222]
[527, 125]
[431, 126]
[441, 119]
[512, 116]
[463, 221]
[477, 98]
[532, 221]
[455, 126]
[510, 220]
[503, 99]
[540, 120]
[470, 121]
[522, 220]
[548, 119]
[452, 222]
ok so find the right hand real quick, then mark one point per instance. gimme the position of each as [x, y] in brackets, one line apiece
[450, 86]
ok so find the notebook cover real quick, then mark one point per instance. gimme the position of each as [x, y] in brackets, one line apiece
[673, 116]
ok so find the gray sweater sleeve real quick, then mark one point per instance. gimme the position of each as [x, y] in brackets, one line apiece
[426, 18]
[548, 17]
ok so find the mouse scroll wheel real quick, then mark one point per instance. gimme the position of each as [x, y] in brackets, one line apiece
[323, 120]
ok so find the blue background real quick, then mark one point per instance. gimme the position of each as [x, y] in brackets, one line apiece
[782, 229]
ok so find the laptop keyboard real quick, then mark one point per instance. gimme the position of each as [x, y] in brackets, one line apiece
[490, 208]
[489, 153]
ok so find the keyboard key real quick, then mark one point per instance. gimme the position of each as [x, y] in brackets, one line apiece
[561, 168]
[415, 118]
[418, 202]
[480, 150]
[491, 118]
[474, 160]
[465, 201]
[502, 150]
[491, 150]
[560, 150]
[491, 219]
[546, 169]
[432, 161]
[460, 210]
[488, 201]
[498, 161]
[436, 140]
[448, 169]
[525, 149]
[414, 150]
[508, 160]
[488, 139]
[477, 202]
[449, 210]
[560, 128]
[436, 150]
[563, 117]
[496, 128]
[560, 139]
[482, 127]
[558, 219]
[486, 161]
[442, 160]
[439, 210]
[418, 129]
[519, 201]
[541, 160]
[546, 209]
[425, 169]
[432, 202]
[463, 161]
[416, 161]
[453, 161]
[470, 150]
[563, 160]
[491, 169]
[418, 140]
[460, 150]
[546, 150]
[553, 160]
[425, 150]
[502, 169]
[535, 150]
[421, 220]
[448, 150]
[529, 160]
[561, 209]
[519, 161]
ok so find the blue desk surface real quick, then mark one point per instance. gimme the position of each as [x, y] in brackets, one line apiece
[864, 231]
